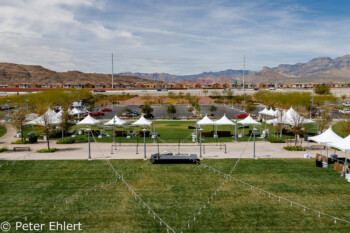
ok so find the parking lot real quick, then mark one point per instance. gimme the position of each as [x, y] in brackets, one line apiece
[160, 111]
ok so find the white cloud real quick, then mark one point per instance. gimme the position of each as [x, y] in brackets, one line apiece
[154, 36]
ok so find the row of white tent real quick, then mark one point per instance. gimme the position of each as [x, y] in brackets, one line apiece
[289, 117]
[269, 112]
[225, 121]
[52, 118]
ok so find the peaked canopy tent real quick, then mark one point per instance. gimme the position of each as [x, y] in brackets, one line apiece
[89, 120]
[50, 117]
[326, 138]
[264, 111]
[223, 121]
[290, 117]
[142, 122]
[271, 112]
[205, 121]
[249, 121]
[75, 111]
[116, 121]
[343, 144]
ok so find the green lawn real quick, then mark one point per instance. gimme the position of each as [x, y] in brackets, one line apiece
[3, 130]
[169, 131]
[175, 192]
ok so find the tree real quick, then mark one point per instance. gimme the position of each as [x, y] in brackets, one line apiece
[19, 119]
[190, 109]
[171, 94]
[146, 109]
[171, 109]
[205, 92]
[212, 108]
[343, 97]
[46, 126]
[297, 123]
[322, 89]
[325, 119]
[66, 121]
[250, 108]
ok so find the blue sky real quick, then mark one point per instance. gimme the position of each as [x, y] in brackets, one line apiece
[177, 37]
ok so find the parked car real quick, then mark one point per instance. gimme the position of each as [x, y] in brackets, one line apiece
[95, 113]
[241, 116]
[347, 104]
[136, 113]
[149, 116]
[106, 110]
[344, 111]
[141, 105]
[272, 88]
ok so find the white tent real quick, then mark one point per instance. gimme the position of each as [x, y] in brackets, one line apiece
[264, 111]
[88, 120]
[75, 111]
[326, 137]
[290, 117]
[224, 121]
[249, 121]
[205, 121]
[48, 118]
[343, 144]
[270, 112]
[142, 122]
[115, 121]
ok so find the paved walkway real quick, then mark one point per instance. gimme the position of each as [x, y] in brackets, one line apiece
[79, 151]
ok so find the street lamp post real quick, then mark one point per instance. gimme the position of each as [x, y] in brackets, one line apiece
[27, 103]
[236, 130]
[89, 130]
[144, 143]
[254, 130]
[8, 108]
[114, 133]
[200, 142]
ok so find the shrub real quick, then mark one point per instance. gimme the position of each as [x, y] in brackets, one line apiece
[274, 139]
[3, 149]
[20, 141]
[66, 141]
[51, 150]
[294, 148]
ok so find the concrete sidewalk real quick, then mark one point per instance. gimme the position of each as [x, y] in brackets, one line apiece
[79, 151]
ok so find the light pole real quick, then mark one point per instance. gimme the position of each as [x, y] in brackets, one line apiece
[254, 130]
[8, 108]
[114, 132]
[236, 130]
[27, 103]
[200, 142]
[144, 143]
[89, 130]
[312, 103]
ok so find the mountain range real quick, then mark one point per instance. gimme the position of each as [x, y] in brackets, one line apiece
[205, 77]
[16, 73]
[321, 69]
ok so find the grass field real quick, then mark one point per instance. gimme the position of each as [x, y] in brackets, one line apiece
[175, 192]
[172, 131]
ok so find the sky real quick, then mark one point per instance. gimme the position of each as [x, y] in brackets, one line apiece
[173, 36]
